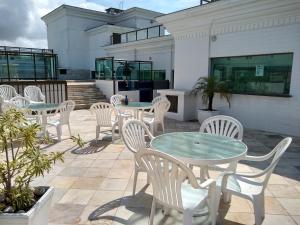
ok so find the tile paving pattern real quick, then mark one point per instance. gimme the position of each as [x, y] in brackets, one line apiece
[94, 184]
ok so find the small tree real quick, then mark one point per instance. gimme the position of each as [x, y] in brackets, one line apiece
[22, 161]
[208, 86]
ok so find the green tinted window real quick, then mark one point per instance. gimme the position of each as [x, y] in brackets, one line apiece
[261, 75]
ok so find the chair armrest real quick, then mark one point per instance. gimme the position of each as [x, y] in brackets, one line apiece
[259, 158]
[42, 96]
[207, 183]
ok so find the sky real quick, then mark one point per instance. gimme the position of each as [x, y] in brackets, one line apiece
[21, 24]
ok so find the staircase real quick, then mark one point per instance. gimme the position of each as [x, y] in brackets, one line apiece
[84, 94]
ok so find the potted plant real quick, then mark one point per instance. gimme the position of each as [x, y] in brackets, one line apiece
[208, 87]
[21, 161]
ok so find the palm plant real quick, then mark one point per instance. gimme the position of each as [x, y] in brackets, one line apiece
[208, 87]
[21, 161]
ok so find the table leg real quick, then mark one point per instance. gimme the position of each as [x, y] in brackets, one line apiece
[232, 167]
[44, 122]
[203, 172]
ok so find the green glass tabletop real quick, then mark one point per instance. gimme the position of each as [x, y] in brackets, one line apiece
[137, 105]
[42, 106]
[200, 148]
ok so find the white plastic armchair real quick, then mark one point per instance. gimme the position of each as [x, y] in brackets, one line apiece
[63, 110]
[252, 186]
[154, 101]
[175, 187]
[134, 134]
[122, 114]
[19, 101]
[160, 109]
[34, 93]
[116, 99]
[7, 92]
[223, 126]
[104, 115]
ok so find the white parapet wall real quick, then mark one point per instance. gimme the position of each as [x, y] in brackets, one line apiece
[181, 103]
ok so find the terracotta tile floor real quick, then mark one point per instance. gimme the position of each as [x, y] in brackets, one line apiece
[94, 184]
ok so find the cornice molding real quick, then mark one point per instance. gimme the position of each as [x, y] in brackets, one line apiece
[256, 23]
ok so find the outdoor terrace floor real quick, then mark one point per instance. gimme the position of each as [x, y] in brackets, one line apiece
[94, 184]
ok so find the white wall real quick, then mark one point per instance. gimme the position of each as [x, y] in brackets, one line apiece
[240, 29]
[267, 113]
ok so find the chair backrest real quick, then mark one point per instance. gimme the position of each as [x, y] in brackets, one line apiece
[166, 174]
[133, 134]
[160, 109]
[5, 106]
[278, 151]
[33, 93]
[7, 92]
[223, 126]
[64, 109]
[19, 101]
[158, 99]
[116, 99]
[104, 112]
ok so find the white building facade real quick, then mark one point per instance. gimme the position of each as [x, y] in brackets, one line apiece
[258, 43]
[79, 36]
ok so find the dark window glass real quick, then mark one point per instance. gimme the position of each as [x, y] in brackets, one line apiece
[260, 74]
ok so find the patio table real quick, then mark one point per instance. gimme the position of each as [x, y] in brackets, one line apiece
[201, 149]
[136, 106]
[43, 109]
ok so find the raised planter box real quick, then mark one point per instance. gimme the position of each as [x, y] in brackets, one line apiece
[37, 215]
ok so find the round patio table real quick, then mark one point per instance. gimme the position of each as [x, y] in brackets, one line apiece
[43, 109]
[136, 106]
[201, 149]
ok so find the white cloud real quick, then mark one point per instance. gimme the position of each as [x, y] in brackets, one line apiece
[21, 24]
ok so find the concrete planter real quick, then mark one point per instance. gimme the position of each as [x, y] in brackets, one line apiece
[37, 215]
[204, 114]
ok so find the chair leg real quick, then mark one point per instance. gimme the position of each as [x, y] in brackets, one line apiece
[135, 180]
[152, 213]
[259, 209]
[59, 132]
[187, 217]
[163, 127]
[69, 130]
[152, 128]
[97, 132]
[113, 133]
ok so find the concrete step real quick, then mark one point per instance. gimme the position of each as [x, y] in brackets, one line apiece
[85, 94]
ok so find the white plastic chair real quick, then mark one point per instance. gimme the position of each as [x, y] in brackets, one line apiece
[19, 101]
[134, 136]
[122, 113]
[64, 110]
[175, 187]
[223, 126]
[252, 186]
[104, 116]
[156, 100]
[7, 92]
[116, 99]
[160, 108]
[34, 93]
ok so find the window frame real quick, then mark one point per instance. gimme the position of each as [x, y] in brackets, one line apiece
[254, 55]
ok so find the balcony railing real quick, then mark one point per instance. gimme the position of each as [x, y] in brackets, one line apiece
[141, 34]
[25, 50]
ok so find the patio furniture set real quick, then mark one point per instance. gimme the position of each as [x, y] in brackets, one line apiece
[168, 159]
[34, 105]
